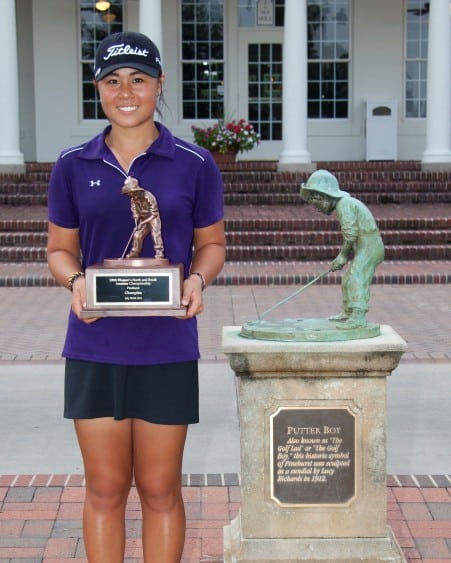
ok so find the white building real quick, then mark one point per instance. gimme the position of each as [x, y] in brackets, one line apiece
[319, 79]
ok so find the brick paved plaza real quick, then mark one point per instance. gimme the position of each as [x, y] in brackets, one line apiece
[40, 514]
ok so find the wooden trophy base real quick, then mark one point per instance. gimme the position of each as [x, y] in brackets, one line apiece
[134, 287]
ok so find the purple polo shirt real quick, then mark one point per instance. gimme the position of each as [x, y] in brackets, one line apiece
[85, 194]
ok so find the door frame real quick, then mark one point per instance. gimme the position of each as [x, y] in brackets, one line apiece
[266, 150]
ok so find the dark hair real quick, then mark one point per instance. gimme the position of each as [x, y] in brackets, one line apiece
[161, 101]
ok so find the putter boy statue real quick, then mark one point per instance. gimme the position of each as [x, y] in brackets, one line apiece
[360, 237]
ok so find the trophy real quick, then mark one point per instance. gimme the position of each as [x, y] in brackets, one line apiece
[134, 286]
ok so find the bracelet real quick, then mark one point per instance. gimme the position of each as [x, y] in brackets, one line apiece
[72, 278]
[202, 279]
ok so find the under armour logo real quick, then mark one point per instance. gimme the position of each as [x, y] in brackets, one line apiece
[95, 183]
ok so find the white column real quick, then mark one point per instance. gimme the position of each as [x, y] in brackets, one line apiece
[11, 159]
[437, 153]
[150, 22]
[294, 155]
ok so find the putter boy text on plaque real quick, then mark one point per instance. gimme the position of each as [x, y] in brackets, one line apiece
[134, 286]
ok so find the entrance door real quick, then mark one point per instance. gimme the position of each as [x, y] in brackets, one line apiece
[260, 87]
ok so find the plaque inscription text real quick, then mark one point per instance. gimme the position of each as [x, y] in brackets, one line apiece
[133, 288]
[312, 456]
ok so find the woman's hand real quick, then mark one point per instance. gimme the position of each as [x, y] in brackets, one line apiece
[63, 257]
[192, 296]
[79, 300]
[208, 260]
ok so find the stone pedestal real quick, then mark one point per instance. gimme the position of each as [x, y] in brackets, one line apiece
[313, 450]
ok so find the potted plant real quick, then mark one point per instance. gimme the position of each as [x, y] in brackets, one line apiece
[223, 138]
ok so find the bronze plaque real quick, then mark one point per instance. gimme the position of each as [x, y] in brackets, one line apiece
[312, 456]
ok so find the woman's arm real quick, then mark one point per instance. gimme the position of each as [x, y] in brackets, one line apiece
[64, 260]
[208, 260]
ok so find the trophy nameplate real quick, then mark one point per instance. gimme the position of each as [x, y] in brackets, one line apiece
[132, 286]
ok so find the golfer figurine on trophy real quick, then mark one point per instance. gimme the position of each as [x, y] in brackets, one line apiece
[131, 285]
[145, 212]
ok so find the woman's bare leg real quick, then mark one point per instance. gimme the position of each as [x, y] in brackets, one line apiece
[106, 447]
[157, 456]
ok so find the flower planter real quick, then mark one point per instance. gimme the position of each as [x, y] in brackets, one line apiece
[232, 137]
[224, 158]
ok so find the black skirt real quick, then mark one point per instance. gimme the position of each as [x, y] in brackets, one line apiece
[162, 394]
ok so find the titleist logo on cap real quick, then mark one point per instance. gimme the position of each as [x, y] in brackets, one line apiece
[127, 49]
[121, 49]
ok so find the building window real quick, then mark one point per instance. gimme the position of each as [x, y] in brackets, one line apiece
[253, 13]
[95, 24]
[328, 59]
[417, 17]
[202, 59]
[265, 89]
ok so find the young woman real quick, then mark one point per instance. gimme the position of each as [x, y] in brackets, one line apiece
[131, 383]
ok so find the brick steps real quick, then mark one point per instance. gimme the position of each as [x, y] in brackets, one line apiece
[273, 244]
[364, 174]
[28, 225]
[286, 237]
[396, 272]
[23, 254]
[273, 236]
[260, 198]
[390, 186]
[315, 224]
[23, 238]
[305, 237]
[279, 253]
[27, 187]
[275, 218]
[23, 199]
[329, 252]
[402, 198]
